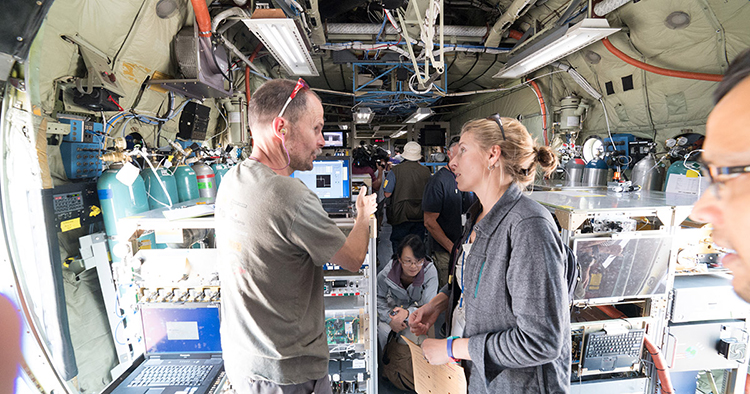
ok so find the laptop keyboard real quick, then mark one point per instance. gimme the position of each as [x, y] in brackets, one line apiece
[627, 344]
[171, 375]
[608, 352]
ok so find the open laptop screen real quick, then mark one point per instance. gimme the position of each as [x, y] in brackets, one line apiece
[329, 178]
[181, 329]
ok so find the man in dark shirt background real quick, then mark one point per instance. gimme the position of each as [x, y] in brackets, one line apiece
[403, 189]
[443, 204]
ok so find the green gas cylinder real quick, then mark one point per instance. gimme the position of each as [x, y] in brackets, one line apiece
[219, 170]
[119, 200]
[160, 194]
[187, 183]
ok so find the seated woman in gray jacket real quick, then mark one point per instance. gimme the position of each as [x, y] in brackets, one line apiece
[405, 283]
[506, 299]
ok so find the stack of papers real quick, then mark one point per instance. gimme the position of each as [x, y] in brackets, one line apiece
[190, 212]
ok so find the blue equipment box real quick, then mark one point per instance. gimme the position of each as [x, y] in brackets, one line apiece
[621, 155]
[81, 160]
[81, 131]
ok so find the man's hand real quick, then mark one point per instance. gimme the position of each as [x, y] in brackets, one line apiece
[435, 351]
[398, 315]
[366, 205]
[422, 319]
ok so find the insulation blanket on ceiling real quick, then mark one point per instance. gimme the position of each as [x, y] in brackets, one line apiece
[128, 32]
[716, 34]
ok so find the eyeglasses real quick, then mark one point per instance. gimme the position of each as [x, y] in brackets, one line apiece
[499, 121]
[417, 263]
[726, 174]
[301, 84]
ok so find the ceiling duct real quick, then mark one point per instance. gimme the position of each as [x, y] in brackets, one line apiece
[200, 66]
[371, 29]
[516, 10]
[316, 24]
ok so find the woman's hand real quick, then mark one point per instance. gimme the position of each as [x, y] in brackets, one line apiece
[436, 351]
[398, 316]
[422, 319]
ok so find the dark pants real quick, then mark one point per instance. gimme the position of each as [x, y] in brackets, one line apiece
[401, 230]
[320, 386]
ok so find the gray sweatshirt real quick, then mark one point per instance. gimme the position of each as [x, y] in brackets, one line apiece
[517, 315]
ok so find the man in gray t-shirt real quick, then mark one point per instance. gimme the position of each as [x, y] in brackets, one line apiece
[273, 237]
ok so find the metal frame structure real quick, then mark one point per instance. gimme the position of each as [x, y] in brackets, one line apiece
[154, 220]
[392, 100]
[574, 206]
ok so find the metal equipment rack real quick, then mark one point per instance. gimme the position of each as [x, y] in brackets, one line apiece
[362, 301]
[637, 280]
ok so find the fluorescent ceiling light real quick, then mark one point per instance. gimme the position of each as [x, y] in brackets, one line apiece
[558, 44]
[398, 134]
[363, 115]
[419, 115]
[283, 39]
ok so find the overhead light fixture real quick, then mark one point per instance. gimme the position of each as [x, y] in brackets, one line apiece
[556, 45]
[398, 134]
[343, 126]
[363, 115]
[282, 37]
[419, 115]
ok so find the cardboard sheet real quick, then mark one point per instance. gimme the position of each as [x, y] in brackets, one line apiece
[435, 379]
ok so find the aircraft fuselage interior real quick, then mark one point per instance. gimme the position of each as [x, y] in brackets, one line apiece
[120, 122]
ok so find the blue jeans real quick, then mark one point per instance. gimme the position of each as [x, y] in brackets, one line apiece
[401, 230]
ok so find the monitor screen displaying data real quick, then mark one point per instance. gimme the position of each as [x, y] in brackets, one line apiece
[329, 178]
[334, 139]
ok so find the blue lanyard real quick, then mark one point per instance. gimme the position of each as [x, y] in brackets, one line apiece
[461, 301]
[463, 265]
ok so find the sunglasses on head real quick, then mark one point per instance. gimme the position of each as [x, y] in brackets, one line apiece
[499, 121]
[301, 84]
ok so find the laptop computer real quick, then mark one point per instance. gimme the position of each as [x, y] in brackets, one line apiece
[330, 181]
[183, 352]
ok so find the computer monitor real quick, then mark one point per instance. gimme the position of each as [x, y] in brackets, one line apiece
[330, 181]
[334, 139]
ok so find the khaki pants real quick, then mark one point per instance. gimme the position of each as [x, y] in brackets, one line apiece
[319, 386]
[442, 262]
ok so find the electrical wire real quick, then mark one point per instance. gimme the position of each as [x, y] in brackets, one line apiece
[226, 122]
[606, 119]
[147, 119]
[611, 140]
[218, 66]
[142, 152]
[459, 94]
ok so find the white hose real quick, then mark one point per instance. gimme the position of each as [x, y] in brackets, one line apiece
[362, 46]
[143, 154]
[234, 11]
[580, 80]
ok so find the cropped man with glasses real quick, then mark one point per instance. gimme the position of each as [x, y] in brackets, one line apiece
[273, 238]
[726, 156]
